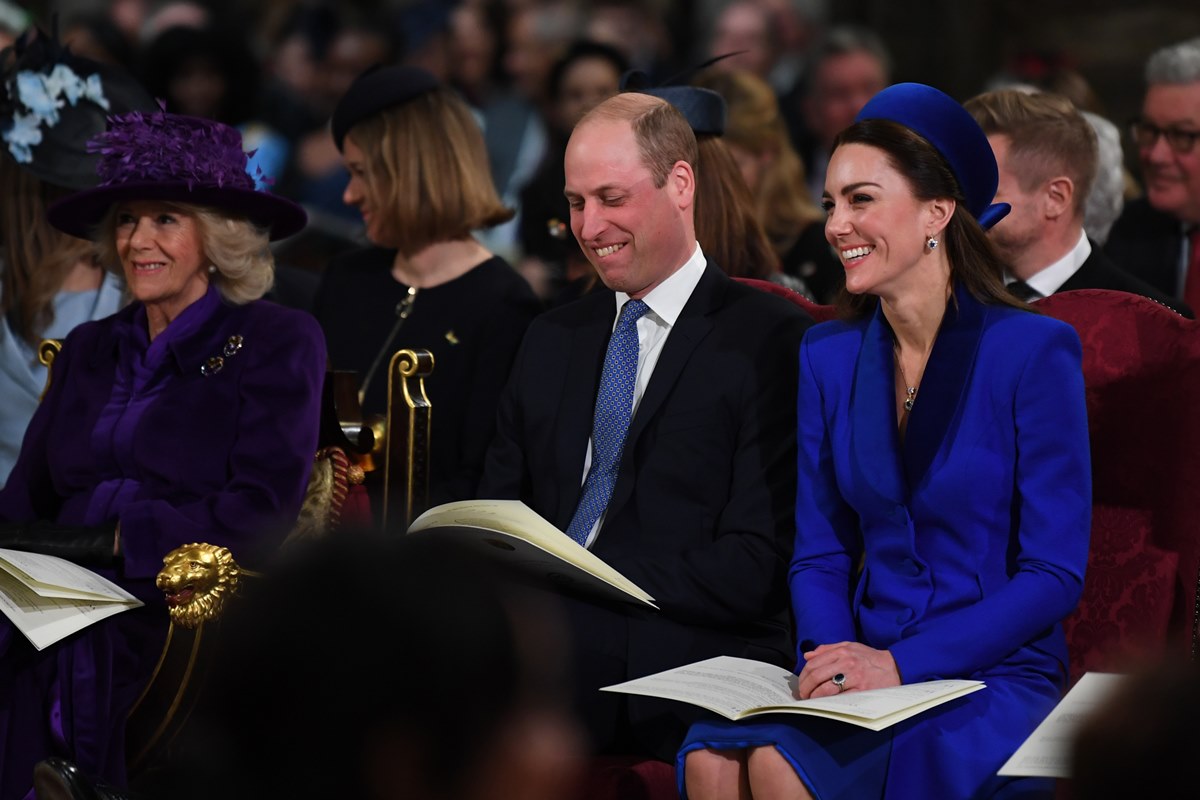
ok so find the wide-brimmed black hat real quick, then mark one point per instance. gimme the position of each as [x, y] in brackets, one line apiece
[176, 158]
[53, 102]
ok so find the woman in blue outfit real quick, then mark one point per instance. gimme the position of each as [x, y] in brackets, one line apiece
[944, 493]
[190, 415]
[49, 281]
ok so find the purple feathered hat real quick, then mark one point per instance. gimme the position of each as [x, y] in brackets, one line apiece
[179, 159]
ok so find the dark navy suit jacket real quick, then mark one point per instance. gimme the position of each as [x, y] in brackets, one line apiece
[1148, 244]
[701, 515]
[1100, 272]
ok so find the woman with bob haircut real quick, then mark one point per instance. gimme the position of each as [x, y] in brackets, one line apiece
[419, 176]
[943, 499]
[191, 415]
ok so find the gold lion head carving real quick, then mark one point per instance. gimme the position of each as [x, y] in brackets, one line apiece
[196, 580]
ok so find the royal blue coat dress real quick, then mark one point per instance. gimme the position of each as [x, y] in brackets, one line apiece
[973, 536]
[136, 431]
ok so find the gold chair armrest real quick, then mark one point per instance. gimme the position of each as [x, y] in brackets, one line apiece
[406, 465]
[48, 350]
[197, 580]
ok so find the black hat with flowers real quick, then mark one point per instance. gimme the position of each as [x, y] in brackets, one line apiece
[174, 158]
[53, 102]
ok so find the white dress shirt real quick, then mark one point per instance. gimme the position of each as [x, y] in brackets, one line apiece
[666, 302]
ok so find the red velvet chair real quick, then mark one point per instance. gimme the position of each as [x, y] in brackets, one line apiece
[817, 311]
[1141, 365]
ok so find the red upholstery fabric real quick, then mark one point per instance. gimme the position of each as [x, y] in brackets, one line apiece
[1141, 365]
[815, 310]
[356, 509]
[629, 778]
[1127, 595]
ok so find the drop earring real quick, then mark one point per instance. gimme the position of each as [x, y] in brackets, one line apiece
[932, 242]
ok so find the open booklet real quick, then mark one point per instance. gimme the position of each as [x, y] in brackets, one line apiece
[514, 533]
[737, 688]
[1047, 751]
[48, 598]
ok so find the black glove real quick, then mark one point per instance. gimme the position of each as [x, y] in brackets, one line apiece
[88, 547]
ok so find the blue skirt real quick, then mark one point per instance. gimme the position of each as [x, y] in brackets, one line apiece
[952, 751]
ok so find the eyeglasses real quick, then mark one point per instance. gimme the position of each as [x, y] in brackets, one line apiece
[1145, 135]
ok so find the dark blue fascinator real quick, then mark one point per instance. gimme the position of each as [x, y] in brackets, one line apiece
[704, 109]
[954, 133]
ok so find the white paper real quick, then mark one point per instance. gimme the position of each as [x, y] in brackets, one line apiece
[510, 531]
[49, 576]
[45, 621]
[1047, 751]
[738, 687]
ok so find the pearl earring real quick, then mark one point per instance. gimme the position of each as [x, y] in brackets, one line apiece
[212, 269]
[932, 243]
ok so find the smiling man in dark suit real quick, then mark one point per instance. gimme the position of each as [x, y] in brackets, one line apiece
[655, 424]
[1046, 152]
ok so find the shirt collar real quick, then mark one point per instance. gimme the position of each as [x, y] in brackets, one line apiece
[1048, 281]
[666, 301]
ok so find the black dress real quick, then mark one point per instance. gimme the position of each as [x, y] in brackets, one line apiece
[472, 325]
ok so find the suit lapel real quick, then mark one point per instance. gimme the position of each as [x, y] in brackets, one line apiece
[874, 439]
[1084, 277]
[944, 383]
[585, 360]
[689, 330]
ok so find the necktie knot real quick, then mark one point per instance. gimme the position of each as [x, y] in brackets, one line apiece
[1023, 291]
[631, 312]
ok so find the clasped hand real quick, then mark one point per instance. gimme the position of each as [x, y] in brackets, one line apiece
[863, 667]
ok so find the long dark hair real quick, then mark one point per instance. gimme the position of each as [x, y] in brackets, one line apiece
[974, 262]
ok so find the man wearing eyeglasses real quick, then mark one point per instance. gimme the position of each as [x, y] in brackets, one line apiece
[1047, 155]
[1158, 236]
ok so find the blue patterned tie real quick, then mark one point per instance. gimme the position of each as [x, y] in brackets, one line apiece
[614, 409]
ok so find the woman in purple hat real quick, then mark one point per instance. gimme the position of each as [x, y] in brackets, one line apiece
[944, 493]
[190, 415]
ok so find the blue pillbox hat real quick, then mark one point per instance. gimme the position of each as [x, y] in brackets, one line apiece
[954, 133]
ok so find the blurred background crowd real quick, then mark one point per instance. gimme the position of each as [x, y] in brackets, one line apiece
[276, 68]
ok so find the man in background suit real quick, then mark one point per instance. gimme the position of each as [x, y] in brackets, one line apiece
[701, 511]
[1046, 152]
[1157, 237]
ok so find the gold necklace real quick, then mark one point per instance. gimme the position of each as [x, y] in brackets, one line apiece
[910, 389]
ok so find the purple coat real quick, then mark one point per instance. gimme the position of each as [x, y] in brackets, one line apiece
[180, 448]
